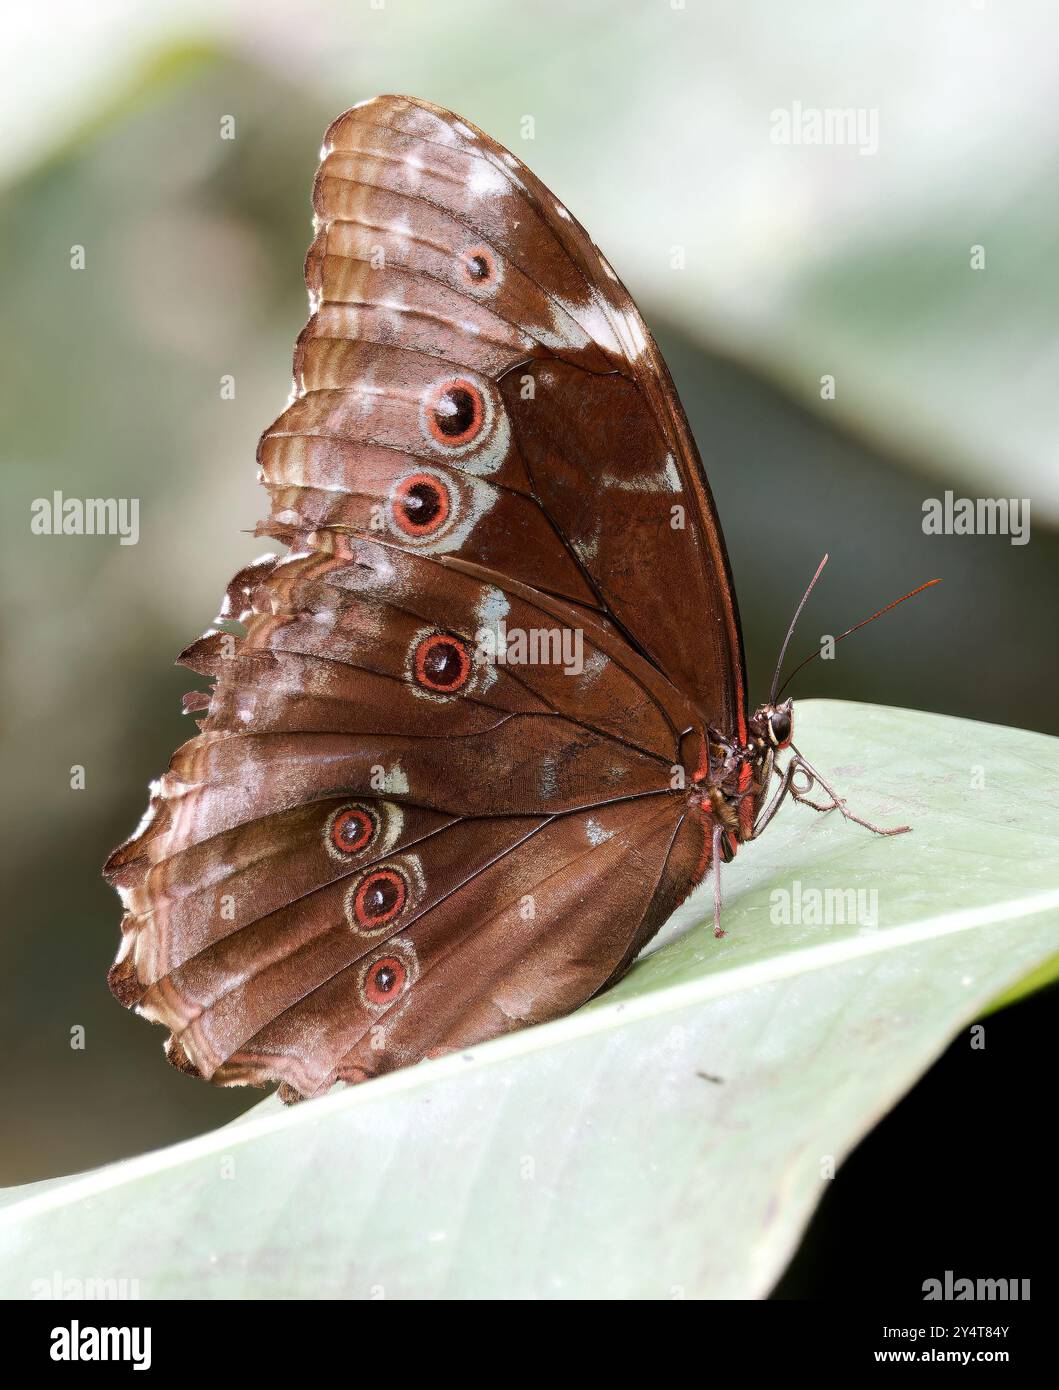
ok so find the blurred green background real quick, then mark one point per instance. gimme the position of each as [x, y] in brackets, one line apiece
[652, 122]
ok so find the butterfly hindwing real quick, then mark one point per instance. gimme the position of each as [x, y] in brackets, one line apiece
[532, 934]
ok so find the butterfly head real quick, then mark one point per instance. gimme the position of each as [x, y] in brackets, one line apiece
[773, 724]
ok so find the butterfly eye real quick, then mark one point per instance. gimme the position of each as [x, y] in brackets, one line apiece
[478, 266]
[385, 980]
[420, 504]
[442, 664]
[780, 729]
[352, 829]
[455, 411]
[377, 899]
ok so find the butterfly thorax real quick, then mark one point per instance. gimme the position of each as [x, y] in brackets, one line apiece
[733, 776]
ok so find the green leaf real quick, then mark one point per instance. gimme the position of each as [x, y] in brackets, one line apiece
[671, 1139]
[1045, 974]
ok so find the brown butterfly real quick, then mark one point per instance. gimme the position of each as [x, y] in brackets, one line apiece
[471, 742]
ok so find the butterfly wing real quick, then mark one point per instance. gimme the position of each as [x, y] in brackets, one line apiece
[439, 255]
[389, 838]
[350, 811]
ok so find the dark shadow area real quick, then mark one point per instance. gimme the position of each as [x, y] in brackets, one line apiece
[958, 1177]
[789, 487]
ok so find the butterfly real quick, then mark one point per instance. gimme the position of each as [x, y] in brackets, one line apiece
[469, 743]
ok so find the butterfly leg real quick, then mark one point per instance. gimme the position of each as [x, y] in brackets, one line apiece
[800, 794]
[785, 789]
[718, 930]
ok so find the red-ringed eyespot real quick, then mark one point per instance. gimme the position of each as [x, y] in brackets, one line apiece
[351, 829]
[420, 504]
[384, 980]
[377, 899]
[478, 265]
[442, 663]
[454, 412]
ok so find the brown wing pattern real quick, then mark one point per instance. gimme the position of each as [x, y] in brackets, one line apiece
[394, 834]
[439, 253]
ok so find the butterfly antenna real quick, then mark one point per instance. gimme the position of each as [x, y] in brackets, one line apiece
[864, 623]
[790, 630]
